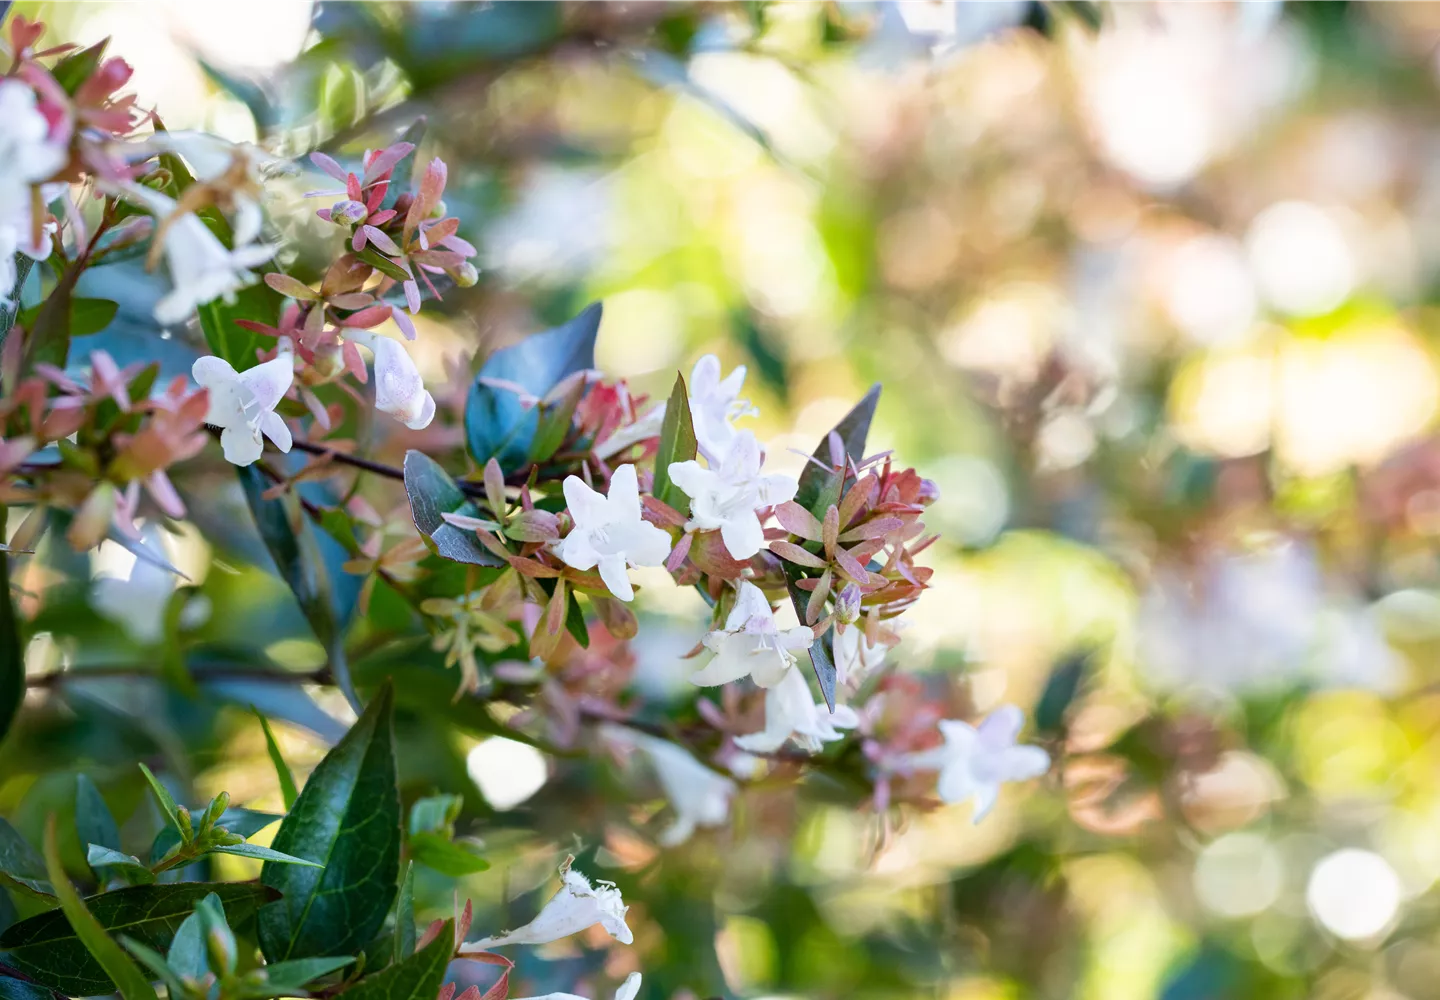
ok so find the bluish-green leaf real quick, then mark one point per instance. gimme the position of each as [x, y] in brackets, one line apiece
[94, 822]
[498, 423]
[245, 822]
[45, 947]
[125, 865]
[347, 817]
[283, 979]
[263, 854]
[18, 859]
[18, 989]
[432, 492]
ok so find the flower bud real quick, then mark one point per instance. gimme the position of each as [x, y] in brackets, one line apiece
[464, 274]
[929, 492]
[438, 212]
[187, 829]
[220, 943]
[217, 807]
[847, 604]
[329, 361]
[348, 213]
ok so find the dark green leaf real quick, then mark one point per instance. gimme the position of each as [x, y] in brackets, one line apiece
[87, 316]
[348, 818]
[383, 264]
[45, 948]
[404, 945]
[289, 978]
[821, 485]
[127, 866]
[282, 770]
[77, 67]
[119, 969]
[822, 650]
[163, 796]
[418, 977]
[292, 542]
[263, 854]
[432, 492]
[441, 854]
[47, 336]
[556, 420]
[574, 614]
[498, 424]
[1060, 691]
[435, 814]
[258, 303]
[93, 820]
[23, 264]
[12, 654]
[17, 857]
[677, 444]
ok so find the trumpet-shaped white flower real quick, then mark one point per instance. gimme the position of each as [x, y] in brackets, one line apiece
[575, 907]
[628, 990]
[202, 269]
[792, 713]
[699, 796]
[976, 760]
[399, 390]
[728, 495]
[239, 167]
[715, 404]
[751, 643]
[243, 404]
[610, 532]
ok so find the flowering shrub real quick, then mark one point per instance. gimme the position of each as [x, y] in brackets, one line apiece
[515, 562]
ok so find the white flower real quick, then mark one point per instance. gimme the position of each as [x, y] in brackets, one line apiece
[399, 390]
[575, 907]
[728, 495]
[239, 167]
[856, 657]
[647, 426]
[714, 403]
[700, 796]
[201, 268]
[751, 643]
[28, 155]
[975, 761]
[791, 712]
[609, 531]
[628, 990]
[243, 404]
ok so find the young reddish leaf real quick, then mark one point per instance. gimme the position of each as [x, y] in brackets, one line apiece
[798, 521]
[791, 552]
[878, 528]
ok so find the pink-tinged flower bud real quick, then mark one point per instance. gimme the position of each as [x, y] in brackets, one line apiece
[847, 604]
[928, 494]
[348, 213]
[464, 274]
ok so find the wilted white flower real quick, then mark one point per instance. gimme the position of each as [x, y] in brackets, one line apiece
[699, 796]
[628, 990]
[610, 532]
[399, 390]
[575, 907]
[715, 404]
[792, 713]
[751, 643]
[728, 495]
[975, 761]
[243, 404]
[202, 269]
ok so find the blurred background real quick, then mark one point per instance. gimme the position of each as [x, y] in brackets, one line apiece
[1152, 290]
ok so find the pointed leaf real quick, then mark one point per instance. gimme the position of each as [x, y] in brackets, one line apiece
[433, 494]
[282, 770]
[45, 947]
[820, 486]
[12, 654]
[348, 818]
[129, 867]
[677, 444]
[163, 796]
[93, 820]
[1060, 690]
[822, 655]
[263, 854]
[498, 423]
[404, 943]
[418, 977]
[441, 854]
[290, 978]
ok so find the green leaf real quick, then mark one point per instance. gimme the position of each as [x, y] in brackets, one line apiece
[87, 316]
[130, 867]
[404, 945]
[121, 974]
[12, 652]
[822, 650]
[156, 963]
[820, 485]
[93, 821]
[48, 334]
[163, 796]
[187, 951]
[435, 814]
[293, 544]
[574, 614]
[23, 264]
[1061, 688]
[557, 419]
[383, 264]
[433, 492]
[438, 852]
[45, 948]
[258, 303]
[77, 67]
[245, 822]
[290, 978]
[348, 818]
[677, 444]
[282, 770]
[18, 858]
[405, 169]
[18, 989]
[262, 853]
[418, 977]
[498, 424]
